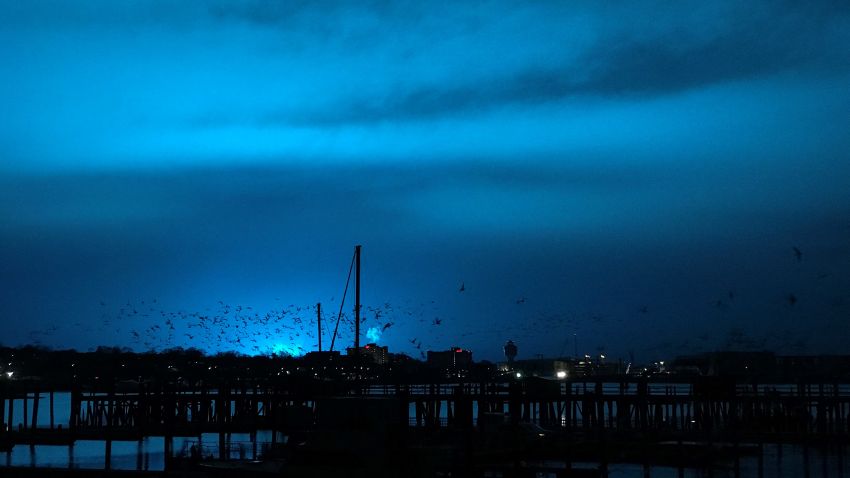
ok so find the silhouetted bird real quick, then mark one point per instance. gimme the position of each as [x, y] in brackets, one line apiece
[521, 300]
[792, 299]
[644, 310]
[798, 254]
[438, 321]
[462, 287]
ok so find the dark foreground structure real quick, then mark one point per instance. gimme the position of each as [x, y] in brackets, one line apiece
[514, 428]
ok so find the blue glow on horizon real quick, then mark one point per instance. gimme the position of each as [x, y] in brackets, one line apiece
[598, 160]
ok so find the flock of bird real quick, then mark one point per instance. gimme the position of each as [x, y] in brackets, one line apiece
[292, 328]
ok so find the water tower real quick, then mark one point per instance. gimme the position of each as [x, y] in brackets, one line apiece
[510, 351]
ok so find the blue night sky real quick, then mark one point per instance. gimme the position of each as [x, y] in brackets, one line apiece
[636, 174]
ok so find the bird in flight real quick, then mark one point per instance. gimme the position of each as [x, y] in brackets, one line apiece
[521, 300]
[792, 299]
[798, 253]
[462, 287]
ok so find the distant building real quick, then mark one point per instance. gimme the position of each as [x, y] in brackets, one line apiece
[563, 368]
[322, 358]
[764, 366]
[583, 367]
[373, 352]
[797, 366]
[541, 367]
[454, 362]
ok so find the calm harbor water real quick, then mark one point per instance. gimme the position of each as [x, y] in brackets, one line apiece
[149, 453]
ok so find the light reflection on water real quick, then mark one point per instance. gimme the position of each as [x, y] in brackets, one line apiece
[90, 454]
[147, 454]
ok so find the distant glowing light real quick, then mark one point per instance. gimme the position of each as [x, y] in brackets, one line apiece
[561, 374]
[519, 375]
[9, 374]
[374, 334]
[293, 350]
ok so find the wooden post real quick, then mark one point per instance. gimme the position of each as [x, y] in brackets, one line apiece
[169, 451]
[599, 405]
[220, 418]
[271, 410]
[35, 399]
[9, 422]
[171, 409]
[51, 409]
[2, 408]
[26, 409]
[110, 411]
[107, 462]
[75, 410]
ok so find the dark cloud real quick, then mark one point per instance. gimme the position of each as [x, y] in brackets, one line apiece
[110, 199]
[619, 66]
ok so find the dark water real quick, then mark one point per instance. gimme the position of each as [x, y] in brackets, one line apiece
[149, 454]
[790, 462]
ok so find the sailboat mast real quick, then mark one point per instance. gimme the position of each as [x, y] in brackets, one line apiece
[357, 300]
[319, 323]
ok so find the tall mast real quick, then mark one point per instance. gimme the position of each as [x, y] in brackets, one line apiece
[357, 300]
[319, 322]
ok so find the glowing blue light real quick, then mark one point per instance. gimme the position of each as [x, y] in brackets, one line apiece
[373, 334]
[287, 349]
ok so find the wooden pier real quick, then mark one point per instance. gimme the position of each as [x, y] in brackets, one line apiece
[681, 410]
